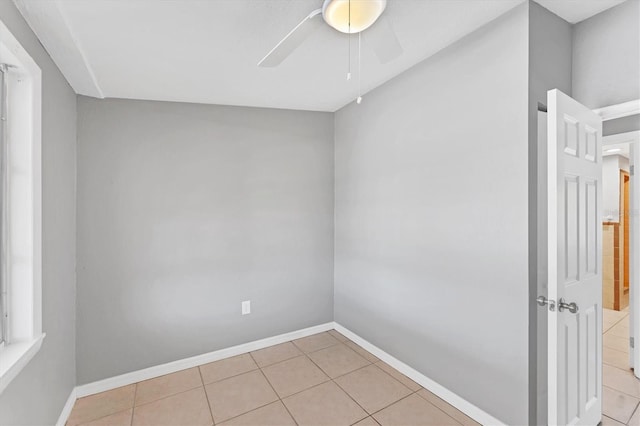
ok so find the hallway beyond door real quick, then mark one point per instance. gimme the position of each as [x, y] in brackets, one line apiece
[621, 393]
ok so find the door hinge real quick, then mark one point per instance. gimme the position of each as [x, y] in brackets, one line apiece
[631, 342]
[632, 169]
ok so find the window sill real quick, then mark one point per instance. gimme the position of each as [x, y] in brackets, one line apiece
[14, 357]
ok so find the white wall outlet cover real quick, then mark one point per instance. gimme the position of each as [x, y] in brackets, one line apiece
[246, 307]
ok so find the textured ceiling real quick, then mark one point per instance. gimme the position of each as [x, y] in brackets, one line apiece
[206, 51]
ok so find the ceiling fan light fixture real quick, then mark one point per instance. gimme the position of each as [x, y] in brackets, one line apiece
[363, 14]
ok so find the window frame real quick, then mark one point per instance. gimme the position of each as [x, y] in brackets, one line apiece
[22, 206]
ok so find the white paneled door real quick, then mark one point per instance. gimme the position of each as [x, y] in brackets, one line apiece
[575, 262]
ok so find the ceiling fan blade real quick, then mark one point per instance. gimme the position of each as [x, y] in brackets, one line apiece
[384, 41]
[292, 40]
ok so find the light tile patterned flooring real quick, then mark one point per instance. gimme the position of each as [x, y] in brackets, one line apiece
[324, 379]
[621, 392]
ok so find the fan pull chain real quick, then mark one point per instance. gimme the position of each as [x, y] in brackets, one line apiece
[359, 99]
[349, 42]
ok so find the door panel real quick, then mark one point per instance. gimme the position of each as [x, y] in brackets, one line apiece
[575, 256]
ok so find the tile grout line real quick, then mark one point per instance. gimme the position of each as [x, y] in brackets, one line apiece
[274, 391]
[352, 371]
[253, 409]
[632, 414]
[626, 370]
[621, 391]
[634, 410]
[240, 374]
[281, 399]
[450, 416]
[256, 408]
[614, 324]
[206, 395]
[267, 379]
[135, 390]
[365, 410]
[393, 378]
[101, 417]
[277, 362]
[168, 396]
[618, 321]
[412, 392]
[133, 408]
[311, 387]
[338, 342]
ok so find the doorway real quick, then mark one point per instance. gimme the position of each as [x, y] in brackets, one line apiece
[615, 227]
[621, 389]
[616, 390]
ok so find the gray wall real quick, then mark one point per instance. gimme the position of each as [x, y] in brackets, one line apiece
[431, 259]
[186, 210]
[550, 45]
[36, 396]
[621, 125]
[606, 56]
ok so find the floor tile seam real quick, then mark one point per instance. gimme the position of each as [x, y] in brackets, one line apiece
[135, 389]
[622, 337]
[247, 412]
[282, 398]
[391, 375]
[626, 422]
[285, 360]
[621, 319]
[626, 369]
[352, 371]
[348, 372]
[454, 419]
[277, 362]
[229, 377]
[617, 350]
[388, 405]
[278, 396]
[102, 417]
[133, 408]
[317, 366]
[621, 391]
[612, 347]
[305, 353]
[369, 416]
[428, 402]
[328, 379]
[206, 395]
[356, 352]
[354, 400]
[632, 414]
[173, 394]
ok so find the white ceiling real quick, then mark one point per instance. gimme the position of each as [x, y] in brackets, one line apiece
[623, 148]
[575, 11]
[206, 51]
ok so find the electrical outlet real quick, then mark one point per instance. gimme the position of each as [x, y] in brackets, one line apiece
[246, 307]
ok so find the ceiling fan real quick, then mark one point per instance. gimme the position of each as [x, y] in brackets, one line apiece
[346, 16]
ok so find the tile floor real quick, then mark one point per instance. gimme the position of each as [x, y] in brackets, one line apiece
[324, 379]
[621, 392]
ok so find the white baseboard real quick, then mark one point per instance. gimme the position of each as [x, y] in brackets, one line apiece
[445, 394]
[66, 410]
[160, 370]
[172, 367]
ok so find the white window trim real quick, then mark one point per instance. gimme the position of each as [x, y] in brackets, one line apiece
[25, 334]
